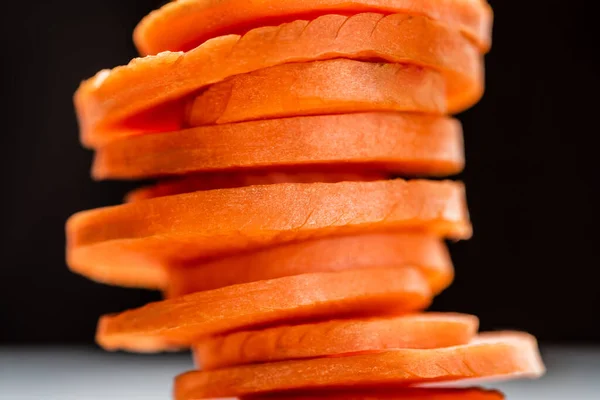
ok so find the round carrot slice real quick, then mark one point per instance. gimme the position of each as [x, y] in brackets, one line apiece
[400, 393]
[198, 182]
[145, 95]
[404, 144]
[180, 322]
[426, 252]
[334, 338]
[317, 88]
[117, 244]
[492, 357]
[184, 24]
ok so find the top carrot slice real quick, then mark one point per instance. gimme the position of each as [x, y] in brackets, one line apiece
[184, 24]
[143, 96]
[111, 243]
[494, 356]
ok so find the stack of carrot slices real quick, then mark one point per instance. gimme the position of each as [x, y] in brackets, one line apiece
[291, 228]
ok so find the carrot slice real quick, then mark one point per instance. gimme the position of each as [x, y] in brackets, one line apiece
[184, 24]
[333, 338]
[317, 88]
[147, 235]
[405, 144]
[142, 96]
[387, 394]
[493, 357]
[182, 321]
[231, 180]
[426, 252]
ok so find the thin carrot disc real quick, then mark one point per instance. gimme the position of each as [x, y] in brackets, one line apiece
[180, 322]
[231, 180]
[334, 338]
[406, 144]
[145, 96]
[491, 357]
[386, 394]
[318, 88]
[184, 24]
[425, 252]
[117, 244]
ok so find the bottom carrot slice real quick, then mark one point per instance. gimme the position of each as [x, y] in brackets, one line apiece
[389, 394]
[426, 252]
[339, 337]
[179, 322]
[491, 356]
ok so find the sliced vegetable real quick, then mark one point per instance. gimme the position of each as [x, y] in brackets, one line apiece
[103, 244]
[145, 95]
[179, 322]
[320, 88]
[184, 24]
[335, 338]
[231, 180]
[427, 253]
[406, 144]
[491, 357]
[387, 394]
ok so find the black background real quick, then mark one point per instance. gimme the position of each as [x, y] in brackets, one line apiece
[531, 152]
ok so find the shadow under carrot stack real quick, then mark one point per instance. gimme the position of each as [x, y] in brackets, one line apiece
[293, 261]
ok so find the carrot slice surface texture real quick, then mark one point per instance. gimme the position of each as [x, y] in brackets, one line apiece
[142, 96]
[387, 394]
[318, 88]
[393, 142]
[231, 180]
[426, 252]
[147, 235]
[181, 321]
[491, 357]
[184, 24]
[332, 338]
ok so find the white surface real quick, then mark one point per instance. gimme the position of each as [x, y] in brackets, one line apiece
[85, 374]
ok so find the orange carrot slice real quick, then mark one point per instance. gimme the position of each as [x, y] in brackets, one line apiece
[387, 394]
[182, 321]
[143, 96]
[231, 180]
[147, 235]
[405, 144]
[333, 338]
[317, 88]
[426, 252]
[493, 357]
[184, 24]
